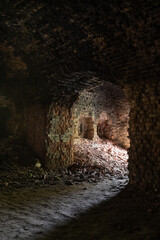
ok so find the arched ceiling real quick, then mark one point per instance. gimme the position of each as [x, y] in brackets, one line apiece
[44, 44]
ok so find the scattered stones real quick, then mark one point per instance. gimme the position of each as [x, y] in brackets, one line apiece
[93, 161]
[96, 160]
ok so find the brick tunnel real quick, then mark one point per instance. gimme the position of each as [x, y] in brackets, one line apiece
[58, 62]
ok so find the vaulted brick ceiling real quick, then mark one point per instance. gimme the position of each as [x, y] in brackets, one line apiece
[49, 49]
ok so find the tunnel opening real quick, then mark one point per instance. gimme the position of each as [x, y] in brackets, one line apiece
[100, 133]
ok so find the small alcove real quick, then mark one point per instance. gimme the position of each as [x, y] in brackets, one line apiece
[86, 129]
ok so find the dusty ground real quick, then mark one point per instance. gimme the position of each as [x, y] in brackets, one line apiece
[77, 204]
[86, 211]
[29, 213]
[124, 217]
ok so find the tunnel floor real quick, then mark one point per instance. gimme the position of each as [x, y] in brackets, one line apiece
[86, 202]
[34, 201]
[127, 216]
[102, 211]
[29, 213]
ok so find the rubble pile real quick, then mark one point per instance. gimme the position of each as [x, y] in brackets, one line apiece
[100, 159]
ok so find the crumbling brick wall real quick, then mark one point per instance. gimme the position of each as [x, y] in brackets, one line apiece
[144, 129]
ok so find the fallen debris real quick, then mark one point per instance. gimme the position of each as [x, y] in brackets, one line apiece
[96, 160]
[93, 161]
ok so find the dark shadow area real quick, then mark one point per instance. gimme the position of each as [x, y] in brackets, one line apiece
[103, 129]
[4, 116]
[128, 216]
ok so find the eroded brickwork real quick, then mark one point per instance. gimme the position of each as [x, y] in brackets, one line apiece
[144, 132]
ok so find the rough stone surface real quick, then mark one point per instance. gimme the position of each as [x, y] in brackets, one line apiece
[144, 130]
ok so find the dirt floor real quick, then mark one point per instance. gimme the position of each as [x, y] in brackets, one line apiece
[86, 211]
[87, 201]
[124, 217]
[30, 213]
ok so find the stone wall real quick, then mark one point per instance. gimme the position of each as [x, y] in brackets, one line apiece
[144, 132]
